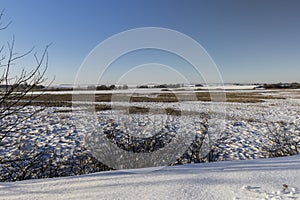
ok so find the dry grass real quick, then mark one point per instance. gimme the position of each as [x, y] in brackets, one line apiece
[66, 99]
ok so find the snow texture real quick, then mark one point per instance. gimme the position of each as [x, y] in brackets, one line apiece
[273, 178]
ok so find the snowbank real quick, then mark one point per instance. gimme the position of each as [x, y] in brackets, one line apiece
[253, 179]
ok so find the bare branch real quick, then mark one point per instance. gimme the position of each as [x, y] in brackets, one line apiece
[2, 27]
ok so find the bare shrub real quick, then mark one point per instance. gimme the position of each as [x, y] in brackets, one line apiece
[282, 139]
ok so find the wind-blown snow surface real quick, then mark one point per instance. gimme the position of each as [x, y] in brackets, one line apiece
[252, 179]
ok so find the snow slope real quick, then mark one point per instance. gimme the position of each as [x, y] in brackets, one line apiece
[248, 179]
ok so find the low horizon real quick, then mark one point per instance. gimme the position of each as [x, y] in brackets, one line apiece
[182, 84]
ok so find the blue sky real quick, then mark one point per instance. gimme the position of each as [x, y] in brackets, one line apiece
[250, 41]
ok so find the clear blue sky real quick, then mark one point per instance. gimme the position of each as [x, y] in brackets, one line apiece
[250, 41]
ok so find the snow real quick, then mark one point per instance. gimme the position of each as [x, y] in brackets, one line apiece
[248, 179]
[245, 126]
[229, 87]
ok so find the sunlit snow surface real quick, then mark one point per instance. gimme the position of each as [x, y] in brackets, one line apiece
[255, 179]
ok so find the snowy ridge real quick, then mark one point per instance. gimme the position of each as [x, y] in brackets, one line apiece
[277, 178]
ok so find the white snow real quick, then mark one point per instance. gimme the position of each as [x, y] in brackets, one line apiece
[252, 179]
[245, 125]
[229, 87]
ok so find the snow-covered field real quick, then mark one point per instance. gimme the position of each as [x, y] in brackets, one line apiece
[243, 130]
[245, 134]
[255, 179]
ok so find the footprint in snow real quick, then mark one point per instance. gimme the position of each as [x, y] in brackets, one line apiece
[285, 192]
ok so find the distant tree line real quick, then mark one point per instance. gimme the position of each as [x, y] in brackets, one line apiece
[282, 86]
[107, 87]
[161, 86]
